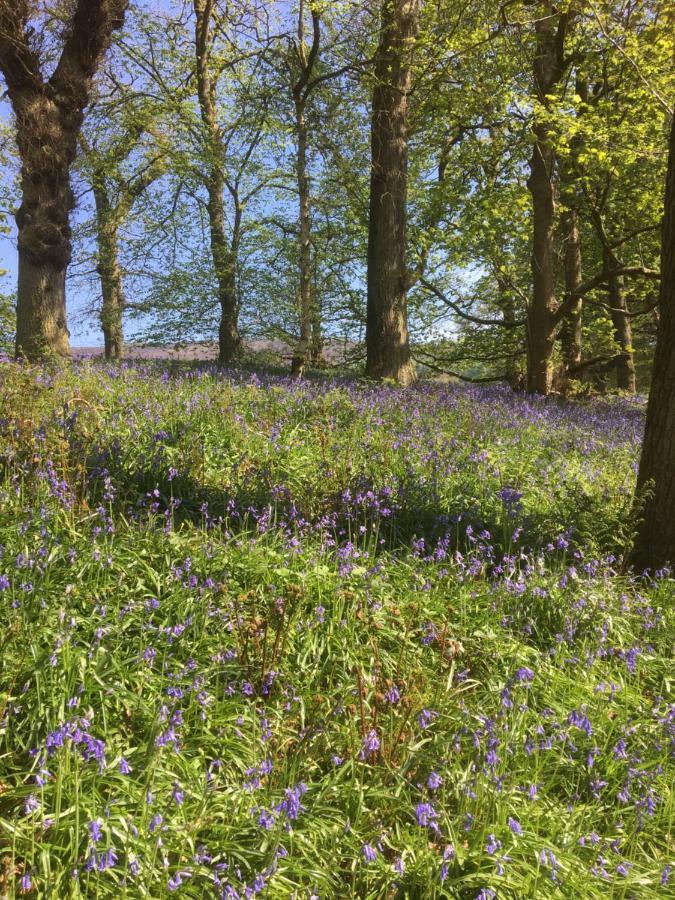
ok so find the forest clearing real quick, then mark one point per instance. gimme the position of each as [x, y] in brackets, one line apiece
[337, 449]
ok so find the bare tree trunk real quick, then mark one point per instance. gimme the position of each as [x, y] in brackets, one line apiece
[304, 244]
[548, 68]
[49, 116]
[387, 342]
[570, 332]
[623, 331]
[655, 543]
[301, 89]
[224, 258]
[110, 273]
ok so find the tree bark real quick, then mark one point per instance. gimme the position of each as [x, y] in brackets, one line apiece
[223, 254]
[623, 331]
[655, 543]
[548, 68]
[110, 273]
[570, 332]
[304, 244]
[387, 341]
[301, 89]
[49, 116]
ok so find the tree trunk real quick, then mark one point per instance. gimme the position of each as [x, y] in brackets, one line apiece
[49, 116]
[304, 245]
[225, 266]
[623, 332]
[44, 232]
[655, 543]
[548, 68]
[570, 332]
[109, 271]
[223, 254]
[387, 342]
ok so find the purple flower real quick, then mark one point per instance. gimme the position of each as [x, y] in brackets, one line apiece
[426, 717]
[392, 695]
[95, 831]
[31, 805]
[266, 819]
[26, 882]
[524, 675]
[107, 860]
[399, 865]
[291, 804]
[369, 853]
[426, 815]
[178, 793]
[371, 744]
[493, 845]
[434, 781]
[176, 880]
[515, 826]
[125, 768]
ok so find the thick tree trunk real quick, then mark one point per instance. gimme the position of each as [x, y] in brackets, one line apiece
[222, 253]
[49, 116]
[623, 332]
[47, 151]
[387, 342]
[570, 332]
[109, 271]
[655, 543]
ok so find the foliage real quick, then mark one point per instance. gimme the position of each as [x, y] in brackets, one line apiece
[297, 637]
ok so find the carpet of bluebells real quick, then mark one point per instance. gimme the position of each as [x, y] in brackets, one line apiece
[317, 639]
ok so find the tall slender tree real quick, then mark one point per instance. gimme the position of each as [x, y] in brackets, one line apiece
[387, 341]
[655, 543]
[49, 114]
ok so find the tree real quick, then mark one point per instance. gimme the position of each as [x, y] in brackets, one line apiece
[49, 114]
[116, 187]
[387, 341]
[655, 544]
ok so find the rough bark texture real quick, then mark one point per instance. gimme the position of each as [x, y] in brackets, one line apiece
[655, 544]
[623, 331]
[49, 116]
[548, 69]
[224, 253]
[387, 343]
[570, 332]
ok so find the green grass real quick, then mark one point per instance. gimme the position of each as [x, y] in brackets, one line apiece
[241, 657]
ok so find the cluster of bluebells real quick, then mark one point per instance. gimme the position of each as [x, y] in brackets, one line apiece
[402, 659]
